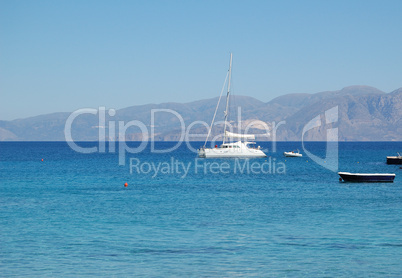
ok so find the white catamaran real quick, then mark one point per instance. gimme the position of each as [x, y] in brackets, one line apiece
[240, 148]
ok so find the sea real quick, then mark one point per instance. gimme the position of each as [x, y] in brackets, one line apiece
[156, 210]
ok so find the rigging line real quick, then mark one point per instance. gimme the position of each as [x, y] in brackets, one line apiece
[227, 100]
[235, 109]
[216, 109]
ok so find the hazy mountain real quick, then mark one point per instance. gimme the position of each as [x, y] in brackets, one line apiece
[361, 117]
[364, 113]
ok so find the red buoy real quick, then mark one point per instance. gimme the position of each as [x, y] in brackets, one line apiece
[126, 184]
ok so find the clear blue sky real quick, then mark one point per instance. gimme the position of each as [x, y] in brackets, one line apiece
[65, 55]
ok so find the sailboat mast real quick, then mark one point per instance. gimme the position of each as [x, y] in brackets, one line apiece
[227, 99]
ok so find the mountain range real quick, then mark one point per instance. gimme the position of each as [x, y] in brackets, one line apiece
[359, 113]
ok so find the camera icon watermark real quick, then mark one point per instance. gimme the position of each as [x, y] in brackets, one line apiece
[331, 160]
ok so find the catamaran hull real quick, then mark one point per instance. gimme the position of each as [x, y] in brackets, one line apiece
[225, 153]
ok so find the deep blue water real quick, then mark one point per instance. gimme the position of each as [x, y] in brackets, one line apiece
[71, 215]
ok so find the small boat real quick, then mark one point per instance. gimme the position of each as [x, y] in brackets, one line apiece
[293, 154]
[394, 159]
[366, 177]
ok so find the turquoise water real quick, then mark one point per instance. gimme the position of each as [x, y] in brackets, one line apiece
[71, 215]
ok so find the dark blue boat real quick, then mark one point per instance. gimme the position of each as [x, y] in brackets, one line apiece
[359, 177]
[394, 159]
